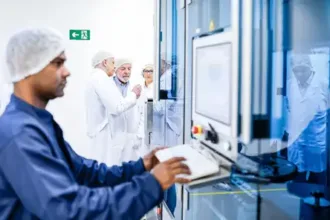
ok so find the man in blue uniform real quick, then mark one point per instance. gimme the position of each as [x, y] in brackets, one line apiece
[41, 177]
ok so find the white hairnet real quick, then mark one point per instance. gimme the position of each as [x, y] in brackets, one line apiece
[31, 50]
[302, 60]
[100, 56]
[147, 66]
[121, 61]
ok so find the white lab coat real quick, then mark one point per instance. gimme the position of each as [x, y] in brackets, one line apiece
[131, 125]
[149, 91]
[302, 108]
[307, 125]
[104, 108]
[168, 116]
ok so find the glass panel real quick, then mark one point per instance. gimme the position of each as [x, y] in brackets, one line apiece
[168, 112]
[225, 200]
[297, 38]
[300, 94]
[212, 14]
[202, 16]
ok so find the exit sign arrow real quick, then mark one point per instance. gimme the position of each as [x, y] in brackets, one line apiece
[74, 34]
[80, 35]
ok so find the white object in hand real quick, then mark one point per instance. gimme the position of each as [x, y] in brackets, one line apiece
[198, 164]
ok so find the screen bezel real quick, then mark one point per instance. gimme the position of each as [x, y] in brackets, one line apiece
[230, 129]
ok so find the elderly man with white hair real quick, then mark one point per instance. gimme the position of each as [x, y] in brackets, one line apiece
[130, 124]
[41, 177]
[104, 105]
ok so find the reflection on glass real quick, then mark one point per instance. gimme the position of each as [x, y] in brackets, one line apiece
[306, 105]
[167, 120]
[301, 41]
[165, 75]
[167, 113]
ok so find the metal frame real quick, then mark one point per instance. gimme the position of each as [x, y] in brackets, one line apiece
[187, 84]
[246, 72]
[157, 32]
[163, 42]
[220, 126]
[228, 134]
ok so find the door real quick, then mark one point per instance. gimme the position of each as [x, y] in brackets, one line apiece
[224, 200]
[168, 104]
[299, 78]
[169, 77]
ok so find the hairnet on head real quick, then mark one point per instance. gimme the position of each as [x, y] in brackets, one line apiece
[148, 66]
[31, 50]
[301, 60]
[100, 56]
[121, 61]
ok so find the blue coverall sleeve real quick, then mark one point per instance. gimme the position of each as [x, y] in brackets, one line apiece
[91, 173]
[46, 187]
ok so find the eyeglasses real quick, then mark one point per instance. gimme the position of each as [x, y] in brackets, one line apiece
[148, 71]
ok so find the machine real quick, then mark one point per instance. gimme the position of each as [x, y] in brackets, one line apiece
[214, 121]
[234, 59]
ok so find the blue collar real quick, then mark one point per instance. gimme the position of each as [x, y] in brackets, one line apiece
[30, 109]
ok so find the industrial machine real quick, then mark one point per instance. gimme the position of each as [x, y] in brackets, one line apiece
[216, 113]
[235, 61]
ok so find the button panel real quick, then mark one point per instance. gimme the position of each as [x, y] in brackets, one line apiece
[210, 136]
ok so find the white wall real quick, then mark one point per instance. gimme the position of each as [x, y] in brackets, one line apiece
[124, 27]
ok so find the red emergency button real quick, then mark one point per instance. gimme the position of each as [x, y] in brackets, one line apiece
[197, 129]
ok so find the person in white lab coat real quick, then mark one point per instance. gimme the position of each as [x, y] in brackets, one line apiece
[104, 105]
[130, 124]
[147, 74]
[307, 97]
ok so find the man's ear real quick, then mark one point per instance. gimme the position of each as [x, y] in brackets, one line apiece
[104, 63]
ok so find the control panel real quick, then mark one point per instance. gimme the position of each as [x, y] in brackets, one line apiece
[215, 119]
[208, 135]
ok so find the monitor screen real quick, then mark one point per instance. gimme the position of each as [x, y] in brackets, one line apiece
[213, 82]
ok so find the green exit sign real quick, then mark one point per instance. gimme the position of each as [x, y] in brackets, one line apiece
[80, 34]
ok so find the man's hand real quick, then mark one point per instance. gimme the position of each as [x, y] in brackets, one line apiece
[165, 173]
[137, 90]
[150, 160]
